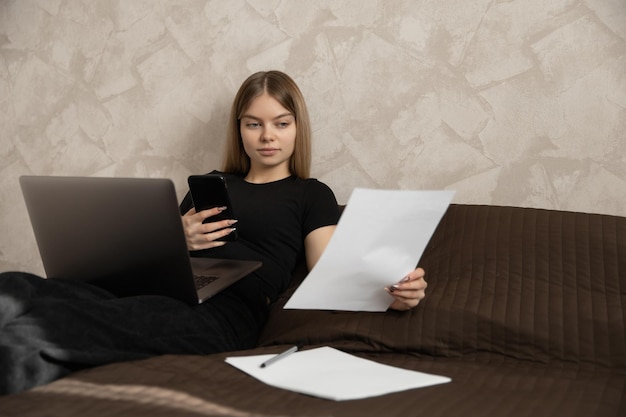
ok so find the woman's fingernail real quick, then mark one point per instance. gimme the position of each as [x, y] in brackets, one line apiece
[405, 279]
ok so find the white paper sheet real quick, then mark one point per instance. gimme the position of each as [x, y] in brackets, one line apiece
[329, 373]
[379, 239]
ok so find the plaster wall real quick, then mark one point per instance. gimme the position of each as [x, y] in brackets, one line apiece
[518, 102]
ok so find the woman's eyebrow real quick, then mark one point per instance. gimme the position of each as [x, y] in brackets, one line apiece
[249, 116]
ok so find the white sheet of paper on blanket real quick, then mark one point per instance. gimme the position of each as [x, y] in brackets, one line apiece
[332, 374]
[379, 239]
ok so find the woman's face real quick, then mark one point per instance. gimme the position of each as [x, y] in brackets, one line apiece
[268, 131]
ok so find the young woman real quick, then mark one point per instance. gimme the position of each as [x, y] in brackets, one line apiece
[49, 328]
[268, 158]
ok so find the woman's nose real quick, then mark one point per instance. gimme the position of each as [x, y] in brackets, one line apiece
[267, 135]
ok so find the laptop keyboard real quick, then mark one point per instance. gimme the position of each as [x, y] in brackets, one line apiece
[204, 280]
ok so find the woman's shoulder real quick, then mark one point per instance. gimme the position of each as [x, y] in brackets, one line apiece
[316, 189]
[313, 183]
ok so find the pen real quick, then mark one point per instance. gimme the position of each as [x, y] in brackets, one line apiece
[279, 356]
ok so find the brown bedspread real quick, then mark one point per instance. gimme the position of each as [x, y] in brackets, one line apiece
[207, 386]
[525, 312]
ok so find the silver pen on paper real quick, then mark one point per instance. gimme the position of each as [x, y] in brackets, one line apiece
[279, 356]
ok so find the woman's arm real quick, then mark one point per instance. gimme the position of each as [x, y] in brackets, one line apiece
[315, 243]
[407, 293]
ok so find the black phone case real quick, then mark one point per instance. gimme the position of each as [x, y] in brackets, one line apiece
[209, 191]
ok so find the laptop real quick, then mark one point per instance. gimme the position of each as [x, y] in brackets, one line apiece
[124, 235]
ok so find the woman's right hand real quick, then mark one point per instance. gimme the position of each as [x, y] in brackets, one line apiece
[201, 235]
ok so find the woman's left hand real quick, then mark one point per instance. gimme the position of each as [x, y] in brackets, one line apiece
[409, 291]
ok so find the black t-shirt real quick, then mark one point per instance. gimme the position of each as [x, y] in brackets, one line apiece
[273, 220]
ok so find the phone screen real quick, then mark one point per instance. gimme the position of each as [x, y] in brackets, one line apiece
[209, 191]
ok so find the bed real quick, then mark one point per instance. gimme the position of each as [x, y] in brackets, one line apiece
[525, 313]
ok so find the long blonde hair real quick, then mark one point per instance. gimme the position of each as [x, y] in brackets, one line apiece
[284, 90]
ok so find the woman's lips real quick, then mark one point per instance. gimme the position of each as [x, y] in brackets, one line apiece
[268, 151]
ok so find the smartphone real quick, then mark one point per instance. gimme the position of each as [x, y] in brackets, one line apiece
[208, 191]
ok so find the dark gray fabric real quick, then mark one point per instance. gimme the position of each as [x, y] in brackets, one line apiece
[49, 328]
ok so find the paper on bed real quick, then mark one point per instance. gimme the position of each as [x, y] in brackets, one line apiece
[329, 373]
[379, 239]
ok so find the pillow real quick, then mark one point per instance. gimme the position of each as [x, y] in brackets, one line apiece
[531, 284]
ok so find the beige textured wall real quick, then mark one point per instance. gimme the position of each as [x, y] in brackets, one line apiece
[518, 102]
